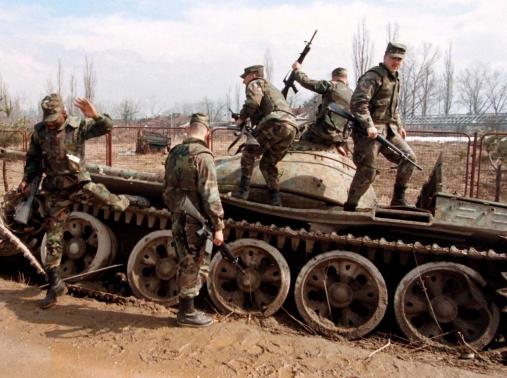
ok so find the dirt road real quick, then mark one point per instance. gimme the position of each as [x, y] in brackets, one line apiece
[82, 337]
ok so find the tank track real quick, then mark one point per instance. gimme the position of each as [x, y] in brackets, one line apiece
[310, 239]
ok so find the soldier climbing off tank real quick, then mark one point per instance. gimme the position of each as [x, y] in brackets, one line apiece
[329, 129]
[275, 130]
[190, 172]
[57, 146]
[374, 104]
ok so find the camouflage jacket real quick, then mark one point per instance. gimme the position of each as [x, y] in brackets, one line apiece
[264, 102]
[375, 99]
[190, 172]
[62, 151]
[327, 124]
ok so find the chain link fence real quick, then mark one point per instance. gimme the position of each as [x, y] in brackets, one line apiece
[464, 175]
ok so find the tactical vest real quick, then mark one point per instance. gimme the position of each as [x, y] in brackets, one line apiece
[384, 101]
[272, 101]
[340, 95]
[186, 184]
[63, 154]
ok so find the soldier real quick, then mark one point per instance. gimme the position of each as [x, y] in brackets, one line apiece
[329, 128]
[190, 172]
[275, 130]
[57, 146]
[374, 103]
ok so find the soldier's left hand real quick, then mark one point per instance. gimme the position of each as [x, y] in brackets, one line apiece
[403, 133]
[86, 107]
[239, 122]
[296, 66]
[219, 237]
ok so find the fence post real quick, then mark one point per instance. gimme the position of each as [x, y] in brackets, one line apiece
[472, 178]
[109, 155]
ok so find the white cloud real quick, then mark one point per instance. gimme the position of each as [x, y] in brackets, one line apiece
[203, 53]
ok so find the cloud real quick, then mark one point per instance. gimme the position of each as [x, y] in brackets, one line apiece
[203, 51]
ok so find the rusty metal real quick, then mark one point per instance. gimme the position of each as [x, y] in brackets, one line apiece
[152, 268]
[261, 289]
[474, 160]
[341, 293]
[435, 301]
[11, 245]
[87, 246]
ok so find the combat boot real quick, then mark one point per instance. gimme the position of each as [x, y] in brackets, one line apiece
[56, 288]
[399, 196]
[188, 317]
[274, 197]
[137, 201]
[244, 187]
[347, 206]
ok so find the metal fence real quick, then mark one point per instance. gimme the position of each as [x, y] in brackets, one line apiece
[467, 168]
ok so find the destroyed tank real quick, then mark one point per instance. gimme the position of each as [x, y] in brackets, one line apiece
[438, 265]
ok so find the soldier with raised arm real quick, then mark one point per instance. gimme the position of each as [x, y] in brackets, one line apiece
[275, 130]
[329, 129]
[57, 146]
[190, 172]
[374, 104]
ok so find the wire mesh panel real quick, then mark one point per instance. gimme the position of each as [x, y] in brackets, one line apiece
[12, 171]
[221, 138]
[427, 146]
[95, 150]
[492, 167]
[142, 148]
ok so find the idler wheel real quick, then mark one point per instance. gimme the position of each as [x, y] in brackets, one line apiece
[87, 246]
[260, 290]
[152, 268]
[341, 293]
[436, 302]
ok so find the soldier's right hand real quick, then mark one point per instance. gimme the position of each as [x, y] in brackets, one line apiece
[296, 66]
[22, 188]
[372, 132]
[219, 237]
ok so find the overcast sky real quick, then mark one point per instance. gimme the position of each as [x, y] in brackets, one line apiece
[184, 50]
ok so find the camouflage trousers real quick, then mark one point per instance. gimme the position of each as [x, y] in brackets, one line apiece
[193, 265]
[365, 155]
[274, 138]
[309, 136]
[57, 206]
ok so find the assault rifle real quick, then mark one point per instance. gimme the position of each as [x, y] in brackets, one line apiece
[24, 212]
[383, 141]
[242, 130]
[289, 82]
[206, 232]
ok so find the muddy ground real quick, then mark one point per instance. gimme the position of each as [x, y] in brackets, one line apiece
[82, 337]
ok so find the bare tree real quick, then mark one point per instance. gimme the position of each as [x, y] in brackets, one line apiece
[447, 86]
[471, 86]
[393, 32]
[90, 80]
[128, 110]
[214, 109]
[418, 91]
[48, 85]
[268, 65]
[362, 49]
[496, 90]
[156, 108]
[59, 78]
[71, 108]
[237, 96]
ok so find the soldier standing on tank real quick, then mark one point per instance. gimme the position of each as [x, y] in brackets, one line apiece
[374, 104]
[275, 130]
[190, 172]
[329, 129]
[57, 146]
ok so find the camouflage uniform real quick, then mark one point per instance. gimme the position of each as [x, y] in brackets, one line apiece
[190, 172]
[328, 127]
[375, 103]
[62, 154]
[275, 129]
